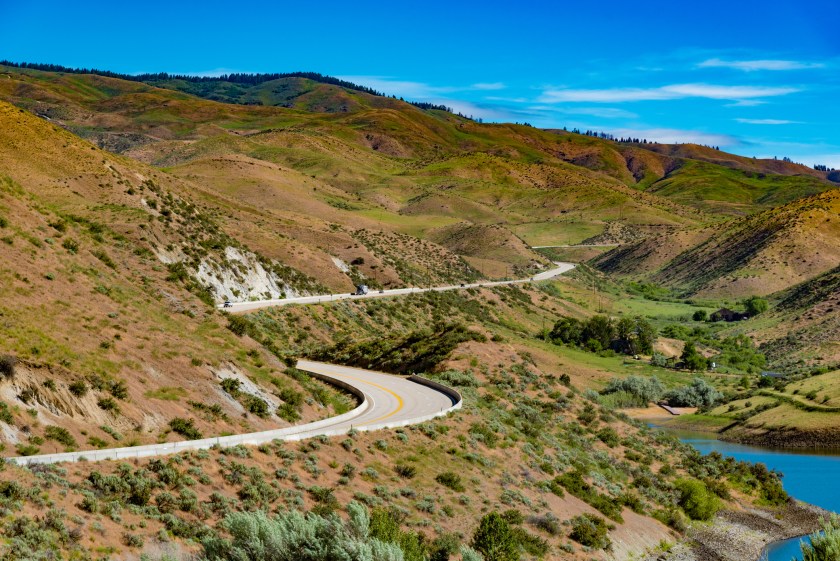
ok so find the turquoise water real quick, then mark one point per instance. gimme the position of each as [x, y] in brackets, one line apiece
[809, 476]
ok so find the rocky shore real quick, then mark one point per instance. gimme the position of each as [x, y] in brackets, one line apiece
[742, 535]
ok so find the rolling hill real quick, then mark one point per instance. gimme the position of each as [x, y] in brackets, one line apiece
[759, 254]
[129, 210]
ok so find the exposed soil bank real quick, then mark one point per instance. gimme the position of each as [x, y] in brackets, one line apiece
[742, 535]
[784, 438]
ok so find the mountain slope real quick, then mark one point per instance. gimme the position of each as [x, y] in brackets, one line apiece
[108, 328]
[759, 254]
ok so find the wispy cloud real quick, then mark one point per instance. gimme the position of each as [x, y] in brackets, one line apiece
[755, 65]
[746, 103]
[674, 91]
[402, 88]
[417, 90]
[767, 121]
[488, 86]
[603, 112]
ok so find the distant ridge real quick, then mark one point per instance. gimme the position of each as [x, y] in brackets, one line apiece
[233, 78]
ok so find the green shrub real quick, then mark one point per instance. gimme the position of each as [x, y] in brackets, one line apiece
[105, 258]
[608, 436]
[575, 484]
[118, 389]
[494, 539]
[823, 545]
[78, 388]
[645, 388]
[71, 245]
[288, 412]
[591, 531]
[6, 414]
[451, 480]
[239, 325]
[132, 540]
[185, 427]
[698, 394]
[256, 405]
[755, 305]
[696, 500]
[405, 471]
[108, 404]
[231, 386]
[60, 435]
[289, 537]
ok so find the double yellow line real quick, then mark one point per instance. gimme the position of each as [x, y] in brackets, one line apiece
[400, 401]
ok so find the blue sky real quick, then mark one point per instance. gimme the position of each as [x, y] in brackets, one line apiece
[756, 78]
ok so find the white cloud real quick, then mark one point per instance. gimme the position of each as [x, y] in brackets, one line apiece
[507, 99]
[401, 88]
[674, 91]
[746, 103]
[767, 121]
[603, 112]
[676, 136]
[474, 110]
[754, 65]
[488, 86]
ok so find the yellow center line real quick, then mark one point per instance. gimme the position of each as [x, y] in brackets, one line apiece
[383, 388]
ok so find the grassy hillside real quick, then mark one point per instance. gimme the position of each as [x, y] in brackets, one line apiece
[399, 160]
[760, 254]
[106, 313]
[721, 190]
[110, 331]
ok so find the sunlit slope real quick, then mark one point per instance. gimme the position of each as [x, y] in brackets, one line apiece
[759, 254]
[87, 240]
[378, 163]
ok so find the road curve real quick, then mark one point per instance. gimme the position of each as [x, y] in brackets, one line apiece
[386, 401]
[258, 304]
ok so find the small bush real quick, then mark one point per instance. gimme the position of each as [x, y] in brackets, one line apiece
[825, 544]
[231, 386]
[591, 531]
[451, 480]
[185, 427]
[71, 245]
[239, 325]
[78, 388]
[109, 405]
[495, 540]
[105, 258]
[118, 389]
[696, 500]
[405, 471]
[257, 406]
[60, 435]
[7, 366]
[608, 436]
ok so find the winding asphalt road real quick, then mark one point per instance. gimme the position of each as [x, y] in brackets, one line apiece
[258, 304]
[385, 401]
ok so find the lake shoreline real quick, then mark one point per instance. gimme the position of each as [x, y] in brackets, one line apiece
[747, 531]
[727, 430]
[744, 534]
